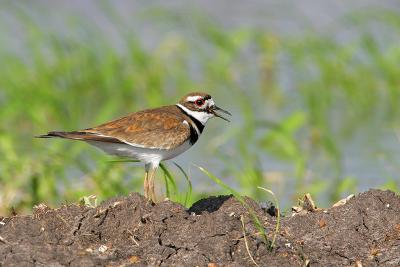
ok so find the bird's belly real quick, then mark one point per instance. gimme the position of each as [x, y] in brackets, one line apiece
[145, 155]
[169, 154]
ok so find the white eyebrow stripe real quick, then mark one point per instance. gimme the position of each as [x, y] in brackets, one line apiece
[209, 102]
[193, 98]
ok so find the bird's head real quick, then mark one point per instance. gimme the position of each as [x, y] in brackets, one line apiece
[201, 106]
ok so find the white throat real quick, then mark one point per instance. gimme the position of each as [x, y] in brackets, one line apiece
[202, 117]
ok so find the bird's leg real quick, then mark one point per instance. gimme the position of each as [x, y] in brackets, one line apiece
[152, 172]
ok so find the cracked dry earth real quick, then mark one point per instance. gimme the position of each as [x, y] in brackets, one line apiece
[128, 231]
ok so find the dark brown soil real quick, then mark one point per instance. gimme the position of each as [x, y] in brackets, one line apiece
[128, 231]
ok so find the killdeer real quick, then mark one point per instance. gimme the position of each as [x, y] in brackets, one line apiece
[151, 135]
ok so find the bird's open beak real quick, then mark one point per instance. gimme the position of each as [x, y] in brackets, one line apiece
[215, 108]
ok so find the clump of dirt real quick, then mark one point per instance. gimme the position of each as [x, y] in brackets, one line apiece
[129, 231]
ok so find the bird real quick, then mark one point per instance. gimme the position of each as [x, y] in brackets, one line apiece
[152, 135]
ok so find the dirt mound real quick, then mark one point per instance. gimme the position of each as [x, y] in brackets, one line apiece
[128, 231]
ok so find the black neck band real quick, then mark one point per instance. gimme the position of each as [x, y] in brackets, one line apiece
[193, 134]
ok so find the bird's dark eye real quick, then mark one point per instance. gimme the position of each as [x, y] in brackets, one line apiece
[199, 102]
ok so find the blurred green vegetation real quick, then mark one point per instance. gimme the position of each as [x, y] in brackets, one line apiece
[64, 81]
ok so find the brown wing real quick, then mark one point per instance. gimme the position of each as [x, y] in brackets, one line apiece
[161, 128]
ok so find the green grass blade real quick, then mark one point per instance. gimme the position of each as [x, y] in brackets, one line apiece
[278, 219]
[169, 180]
[167, 191]
[188, 194]
[122, 160]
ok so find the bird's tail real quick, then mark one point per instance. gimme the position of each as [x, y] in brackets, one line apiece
[67, 135]
[82, 135]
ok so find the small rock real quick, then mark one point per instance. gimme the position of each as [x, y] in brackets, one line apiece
[134, 259]
[269, 208]
[116, 203]
[322, 223]
[103, 248]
